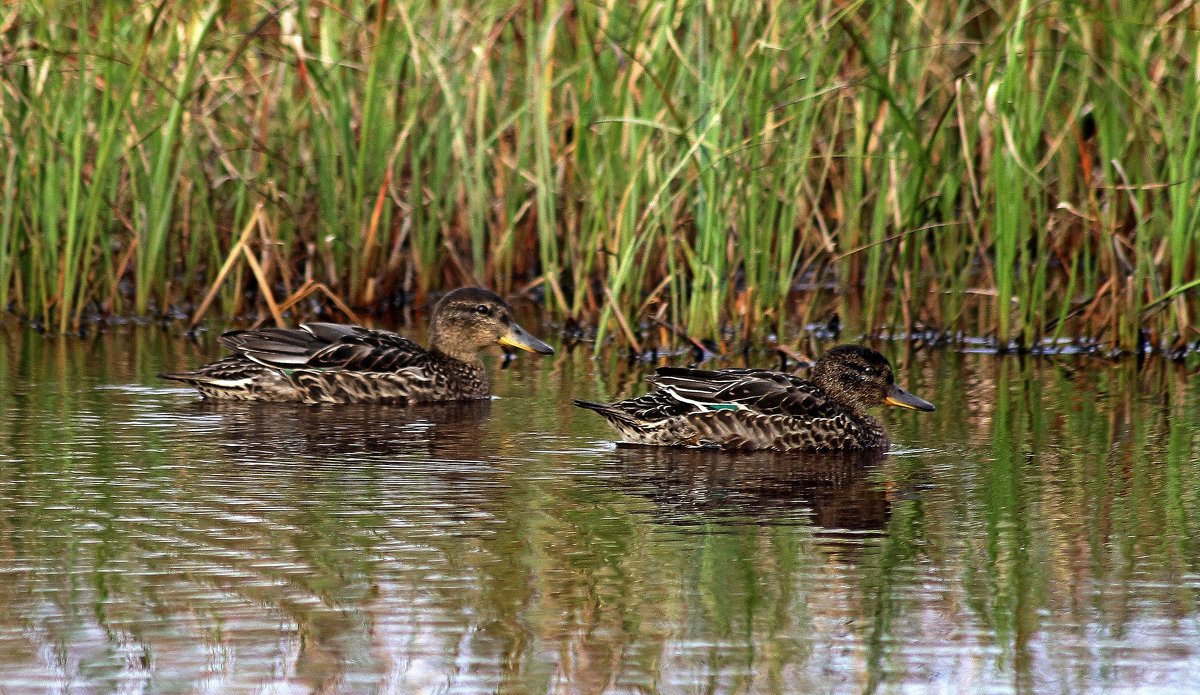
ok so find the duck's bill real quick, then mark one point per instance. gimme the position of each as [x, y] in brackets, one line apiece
[903, 399]
[520, 338]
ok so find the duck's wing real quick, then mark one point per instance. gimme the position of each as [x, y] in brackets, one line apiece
[326, 346]
[761, 391]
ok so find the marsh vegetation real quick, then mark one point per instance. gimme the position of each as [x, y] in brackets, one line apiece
[1025, 171]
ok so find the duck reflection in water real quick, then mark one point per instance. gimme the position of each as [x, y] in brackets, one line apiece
[356, 432]
[352, 503]
[838, 492]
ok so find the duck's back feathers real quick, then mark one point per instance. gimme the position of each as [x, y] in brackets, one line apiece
[327, 346]
[756, 390]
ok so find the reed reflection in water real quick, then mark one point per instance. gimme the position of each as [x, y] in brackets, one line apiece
[1039, 532]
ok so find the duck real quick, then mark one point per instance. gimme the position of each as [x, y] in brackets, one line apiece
[342, 363]
[757, 409]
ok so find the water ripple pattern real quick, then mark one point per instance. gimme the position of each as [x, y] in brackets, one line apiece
[1037, 533]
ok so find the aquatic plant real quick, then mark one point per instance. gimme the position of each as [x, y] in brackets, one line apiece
[655, 170]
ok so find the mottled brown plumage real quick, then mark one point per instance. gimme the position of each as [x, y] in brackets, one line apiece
[748, 409]
[337, 363]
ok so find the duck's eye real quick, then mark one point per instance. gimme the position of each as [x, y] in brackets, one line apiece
[483, 310]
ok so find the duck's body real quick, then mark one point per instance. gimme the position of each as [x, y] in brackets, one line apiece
[334, 363]
[748, 409]
[337, 363]
[739, 409]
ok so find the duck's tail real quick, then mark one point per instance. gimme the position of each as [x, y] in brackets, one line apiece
[189, 378]
[232, 374]
[610, 412]
[590, 405]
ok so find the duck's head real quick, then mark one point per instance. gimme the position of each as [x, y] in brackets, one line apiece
[860, 378]
[470, 319]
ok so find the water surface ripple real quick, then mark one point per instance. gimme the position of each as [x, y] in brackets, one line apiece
[1038, 533]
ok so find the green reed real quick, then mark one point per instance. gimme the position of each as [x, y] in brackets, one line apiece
[1024, 171]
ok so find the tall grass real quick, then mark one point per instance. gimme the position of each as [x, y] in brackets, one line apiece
[656, 170]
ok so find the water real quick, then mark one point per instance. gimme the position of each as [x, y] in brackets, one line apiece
[1037, 533]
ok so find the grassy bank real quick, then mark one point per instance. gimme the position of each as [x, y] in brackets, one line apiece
[1023, 170]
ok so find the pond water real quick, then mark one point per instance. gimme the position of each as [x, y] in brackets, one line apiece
[1039, 533]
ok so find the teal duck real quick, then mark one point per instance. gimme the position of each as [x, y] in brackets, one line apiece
[749, 409]
[337, 363]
